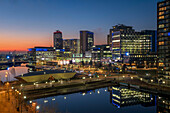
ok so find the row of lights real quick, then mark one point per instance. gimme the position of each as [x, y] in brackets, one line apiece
[19, 92]
[33, 104]
[152, 80]
[53, 99]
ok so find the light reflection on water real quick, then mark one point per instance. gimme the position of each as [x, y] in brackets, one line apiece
[105, 100]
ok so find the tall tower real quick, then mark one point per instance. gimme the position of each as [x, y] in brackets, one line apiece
[58, 40]
[86, 41]
[163, 40]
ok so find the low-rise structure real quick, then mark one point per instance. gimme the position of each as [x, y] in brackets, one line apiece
[101, 53]
[43, 55]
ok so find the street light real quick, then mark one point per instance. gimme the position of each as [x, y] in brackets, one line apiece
[45, 101]
[34, 105]
[98, 92]
[25, 97]
[37, 107]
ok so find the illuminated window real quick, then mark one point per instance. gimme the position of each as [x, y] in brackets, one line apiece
[165, 29]
[161, 17]
[161, 64]
[161, 26]
[160, 13]
[163, 8]
[161, 43]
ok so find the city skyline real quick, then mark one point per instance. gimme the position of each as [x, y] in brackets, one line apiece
[104, 56]
[26, 24]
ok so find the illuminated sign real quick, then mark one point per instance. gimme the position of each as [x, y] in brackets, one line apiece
[7, 57]
[62, 49]
[29, 49]
[39, 49]
[127, 54]
[116, 41]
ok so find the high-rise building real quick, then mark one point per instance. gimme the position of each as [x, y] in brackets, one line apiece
[86, 41]
[58, 40]
[73, 45]
[129, 46]
[109, 39]
[163, 34]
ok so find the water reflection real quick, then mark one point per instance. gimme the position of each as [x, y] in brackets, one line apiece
[121, 97]
[105, 100]
[163, 105]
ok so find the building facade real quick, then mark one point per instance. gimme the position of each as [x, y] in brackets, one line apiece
[153, 37]
[129, 46]
[109, 40]
[163, 34]
[86, 41]
[58, 40]
[45, 55]
[73, 45]
[101, 53]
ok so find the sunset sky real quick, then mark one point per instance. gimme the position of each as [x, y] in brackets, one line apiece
[28, 23]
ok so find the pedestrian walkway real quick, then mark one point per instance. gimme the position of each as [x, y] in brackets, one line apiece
[7, 106]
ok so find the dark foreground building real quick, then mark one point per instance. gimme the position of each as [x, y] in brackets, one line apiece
[163, 33]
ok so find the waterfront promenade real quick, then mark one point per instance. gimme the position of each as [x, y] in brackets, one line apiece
[148, 87]
[9, 103]
[38, 90]
[7, 106]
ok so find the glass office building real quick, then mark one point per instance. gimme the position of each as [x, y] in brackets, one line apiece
[129, 46]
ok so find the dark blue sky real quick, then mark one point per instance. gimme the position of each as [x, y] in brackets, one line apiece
[34, 21]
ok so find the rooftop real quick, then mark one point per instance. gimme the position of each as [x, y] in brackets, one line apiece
[43, 72]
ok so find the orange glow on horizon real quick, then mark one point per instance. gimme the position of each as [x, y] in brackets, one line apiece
[15, 41]
[21, 42]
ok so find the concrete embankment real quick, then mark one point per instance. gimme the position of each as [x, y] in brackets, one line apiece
[145, 87]
[66, 89]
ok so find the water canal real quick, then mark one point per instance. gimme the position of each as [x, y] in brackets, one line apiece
[112, 99]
